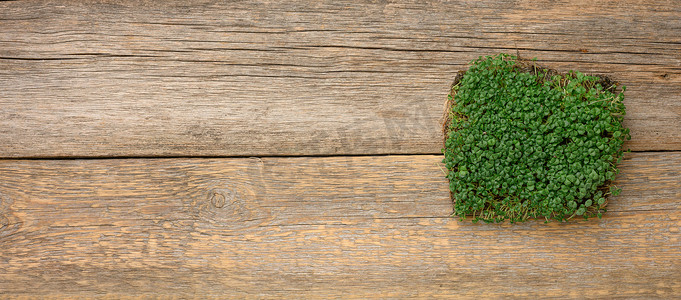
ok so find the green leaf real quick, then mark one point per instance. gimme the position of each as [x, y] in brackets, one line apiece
[522, 145]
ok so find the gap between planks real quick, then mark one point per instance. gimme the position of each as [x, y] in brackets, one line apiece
[251, 156]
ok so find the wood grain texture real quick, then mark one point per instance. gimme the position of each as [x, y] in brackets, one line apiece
[318, 227]
[199, 78]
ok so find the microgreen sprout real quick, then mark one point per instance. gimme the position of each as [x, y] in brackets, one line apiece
[526, 142]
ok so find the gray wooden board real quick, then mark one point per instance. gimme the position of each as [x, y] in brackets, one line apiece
[257, 78]
[374, 226]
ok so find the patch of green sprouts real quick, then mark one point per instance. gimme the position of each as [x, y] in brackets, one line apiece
[526, 142]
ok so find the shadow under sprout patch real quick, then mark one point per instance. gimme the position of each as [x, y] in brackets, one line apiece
[525, 142]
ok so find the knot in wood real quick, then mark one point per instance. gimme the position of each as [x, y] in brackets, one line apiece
[220, 197]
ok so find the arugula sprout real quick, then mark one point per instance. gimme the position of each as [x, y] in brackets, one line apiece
[526, 142]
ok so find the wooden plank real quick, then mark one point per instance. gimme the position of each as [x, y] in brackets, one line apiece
[318, 227]
[187, 78]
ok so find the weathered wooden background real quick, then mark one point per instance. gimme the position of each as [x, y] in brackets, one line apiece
[291, 148]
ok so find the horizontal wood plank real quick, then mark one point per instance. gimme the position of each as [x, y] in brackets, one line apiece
[198, 78]
[367, 226]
